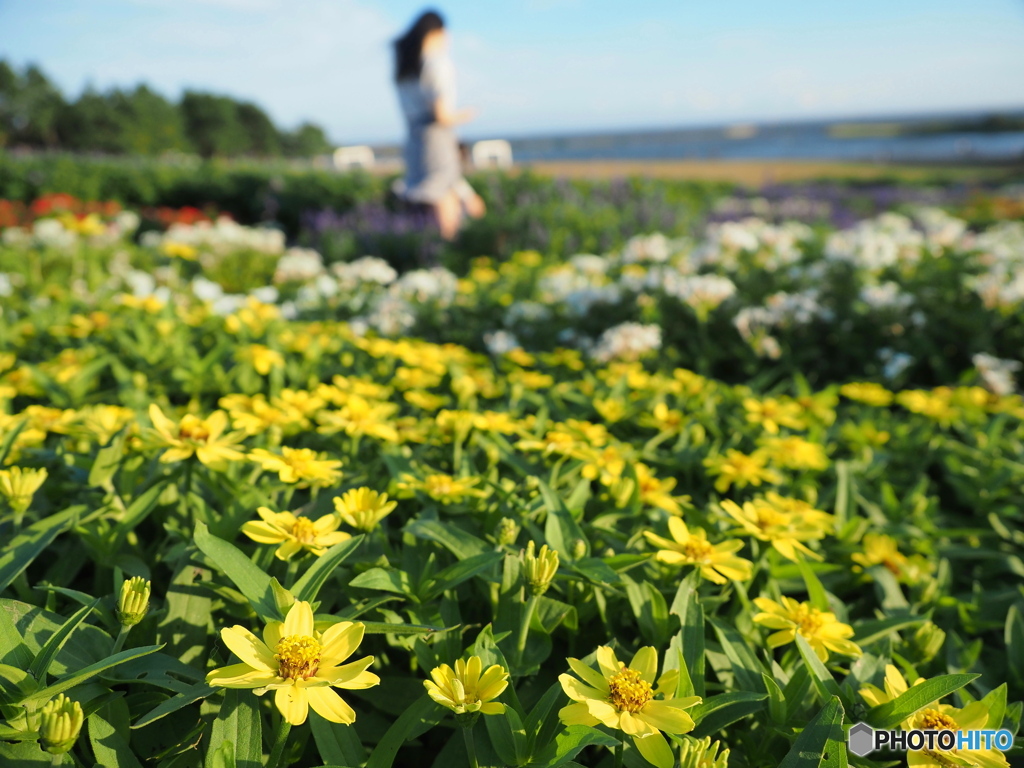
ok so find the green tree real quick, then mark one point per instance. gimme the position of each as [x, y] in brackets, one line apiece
[305, 141]
[212, 125]
[261, 137]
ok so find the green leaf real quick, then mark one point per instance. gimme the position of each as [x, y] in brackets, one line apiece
[1013, 636]
[69, 681]
[337, 744]
[422, 712]
[821, 743]
[176, 702]
[385, 628]
[185, 626]
[508, 737]
[822, 679]
[41, 663]
[745, 666]
[716, 712]
[106, 462]
[542, 721]
[915, 698]
[815, 591]
[569, 743]
[549, 614]
[995, 700]
[27, 545]
[776, 700]
[239, 723]
[386, 580]
[308, 587]
[457, 541]
[9, 438]
[223, 756]
[140, 508]
[872, 630]
[561, 529]
[691, 616]
[13, 649]
[459, 572]
[109, 736]
[246, 575]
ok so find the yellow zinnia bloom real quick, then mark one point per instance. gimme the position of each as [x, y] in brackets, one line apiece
[441, 487]
[301, 466]
[192, 436]
[867, 392]
[262, 358]
[295, 533]
[716, 562]
[299, 664]
[784, 522]
[741, 469]
[657, 493]
[772, 414]
[880, 549]
[937, 717]
[468, 688]
[363, 508]
[821, 629]
[623, 697]
[793, 452]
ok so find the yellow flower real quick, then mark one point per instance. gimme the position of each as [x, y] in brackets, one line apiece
[937, 717]
[193, 436]
[554, 441]
[624, 698]
[605, 464]
[468, 688]
[784, 522]
[716, 562]
[936, 405]
[18, 485]
[295, 533]
[104, 421]
[133, 602]
[441, 487]
[60, 722]
[611, 409]
[658, 493]
[301, 466]
[740, 469]
[261, 357]
[867, 392]
[179, 250]
[793, 452]
[880, 549]
[772, 414]
[299, 664]
[664, 419]
[363, 508]
[359, 416]
[821, 629]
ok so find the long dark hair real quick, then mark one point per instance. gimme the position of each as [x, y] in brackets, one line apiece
[409, 47]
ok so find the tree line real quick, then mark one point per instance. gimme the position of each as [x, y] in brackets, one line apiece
[34, 113]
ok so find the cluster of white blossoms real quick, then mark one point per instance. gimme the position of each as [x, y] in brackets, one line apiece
[298, 265]
[997, 374]
[65, 234]
[886, 296]
[220, 237]
[627, 342]
[1000, 252]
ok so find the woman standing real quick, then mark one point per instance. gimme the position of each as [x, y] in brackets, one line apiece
[426, 90]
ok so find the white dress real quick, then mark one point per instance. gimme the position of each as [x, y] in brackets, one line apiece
[433, 167]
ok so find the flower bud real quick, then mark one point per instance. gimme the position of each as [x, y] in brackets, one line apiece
[59, 725]
[507, 532]
[133, 601]
[539, 568]
[579, 549]
[702, 753]
[928, 640]
[18, 485]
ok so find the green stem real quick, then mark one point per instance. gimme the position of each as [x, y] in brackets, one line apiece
[57, 759]
[121, 637]
[293, 570]
[618, 750]
[524, 627]
[280, 739]
[467, 735]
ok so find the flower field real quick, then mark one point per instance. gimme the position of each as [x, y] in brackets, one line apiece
[705, 499]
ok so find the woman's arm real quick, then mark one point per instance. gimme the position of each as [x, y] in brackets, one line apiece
[448, 117]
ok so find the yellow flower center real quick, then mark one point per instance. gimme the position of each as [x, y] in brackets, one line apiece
[629, 691]
[933, 720]
[808, 620]
[298, 656]
[303, 530]
[440, 485]
[192, 428]
[769, 518]
[698, 550]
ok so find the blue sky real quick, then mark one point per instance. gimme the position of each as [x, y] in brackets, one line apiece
[540, 66]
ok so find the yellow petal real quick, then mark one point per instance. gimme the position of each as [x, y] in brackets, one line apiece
[330, 706]
[576, 713]
[492, 708]
[161, 423]
[635, 725]
[972, 717]
[299, 621]
[655, 750]
[589, 675]
[272, 634]
[352, 675]
[240, 676]
[578, 690]
[678, 529]
[665, 717]
[287, 551]
[607, 661]
[249, 648]
[645, 661]
[262, 533]
[293, 703]
[339, 642]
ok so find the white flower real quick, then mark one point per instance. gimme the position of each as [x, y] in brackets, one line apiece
[368, 269]
[206, 290]
[627, 341]
[895, 363]
[654, 247]
[996, 373]
[500, 342]
[5, 285]
[298, 264]
[267, 294]
[887, 295]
